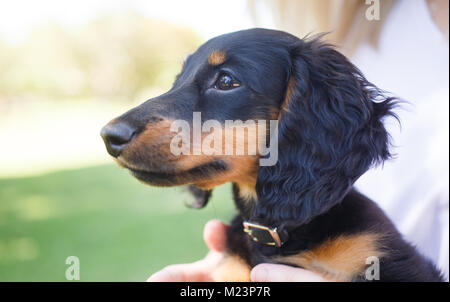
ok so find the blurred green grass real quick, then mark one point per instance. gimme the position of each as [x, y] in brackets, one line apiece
[120, 229]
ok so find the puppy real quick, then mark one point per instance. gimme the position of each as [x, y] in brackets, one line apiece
[296, 203]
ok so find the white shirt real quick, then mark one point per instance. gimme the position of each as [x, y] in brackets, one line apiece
[412, 62]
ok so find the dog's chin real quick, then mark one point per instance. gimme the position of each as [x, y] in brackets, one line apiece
[175, 178]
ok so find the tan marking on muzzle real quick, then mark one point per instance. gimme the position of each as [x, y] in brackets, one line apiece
[152, 149]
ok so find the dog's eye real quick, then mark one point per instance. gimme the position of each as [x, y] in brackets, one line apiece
[226, 82]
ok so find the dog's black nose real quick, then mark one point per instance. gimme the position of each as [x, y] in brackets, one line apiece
[116, 136]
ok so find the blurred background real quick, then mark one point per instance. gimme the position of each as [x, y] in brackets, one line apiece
[68, 67]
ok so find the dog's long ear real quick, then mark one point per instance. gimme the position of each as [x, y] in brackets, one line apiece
[201, 197]
[330, 132]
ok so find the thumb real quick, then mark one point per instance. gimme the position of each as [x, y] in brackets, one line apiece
[215, 235]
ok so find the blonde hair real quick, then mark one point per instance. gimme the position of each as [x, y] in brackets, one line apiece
[345, 20]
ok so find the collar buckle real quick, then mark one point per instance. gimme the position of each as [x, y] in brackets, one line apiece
[262, 234]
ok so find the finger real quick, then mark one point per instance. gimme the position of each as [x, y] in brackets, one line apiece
[192, 272]
[214, 235]
[282, 273]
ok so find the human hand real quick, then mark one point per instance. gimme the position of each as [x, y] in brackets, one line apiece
[214, 235]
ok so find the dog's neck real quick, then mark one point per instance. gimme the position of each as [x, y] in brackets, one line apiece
[245, 199]
[308, 232]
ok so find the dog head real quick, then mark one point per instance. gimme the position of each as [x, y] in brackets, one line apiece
[329, 120]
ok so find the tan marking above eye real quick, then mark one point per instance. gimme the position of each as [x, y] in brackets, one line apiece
[217, 57]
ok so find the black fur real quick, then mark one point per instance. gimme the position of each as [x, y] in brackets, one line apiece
[201, 197]
[330, 132]
[354, 214]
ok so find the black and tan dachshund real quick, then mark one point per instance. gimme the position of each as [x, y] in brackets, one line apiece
[302, 210]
